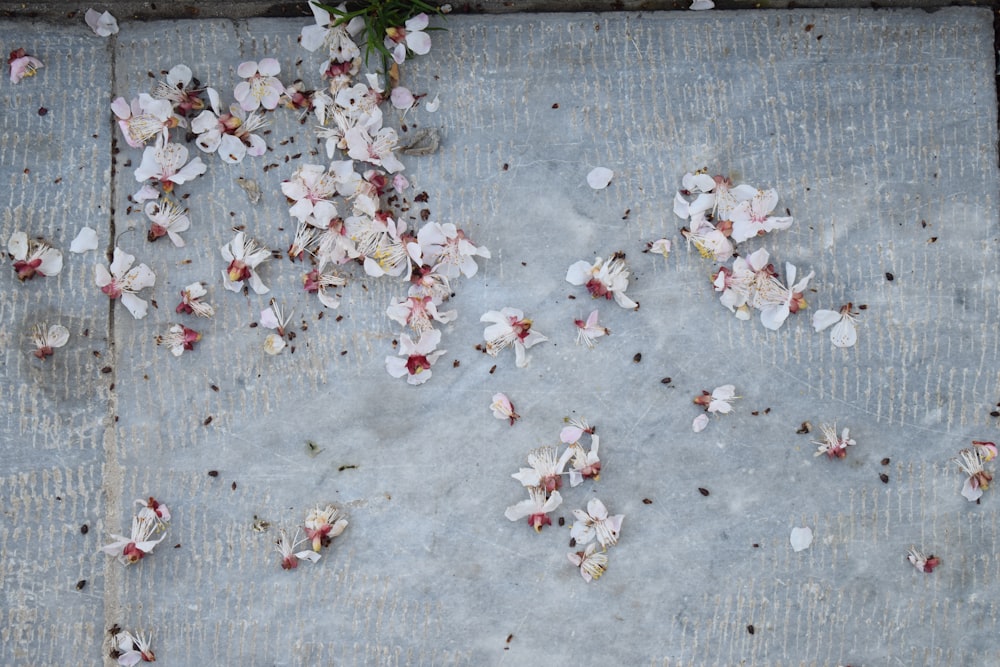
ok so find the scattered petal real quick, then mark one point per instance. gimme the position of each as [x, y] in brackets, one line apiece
[801, 538]
[84, 241]
[599, 178]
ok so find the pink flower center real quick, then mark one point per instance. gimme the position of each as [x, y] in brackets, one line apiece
[536, 521]
[238, 270]
[112, 289]
[132, 553]
[417, 363]
[27, 269]
[598, 289]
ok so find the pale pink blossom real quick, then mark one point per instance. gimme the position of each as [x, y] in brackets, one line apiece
[133, 648]
[834, 446]
[589, 331]
[337, 38]
[144, 119]
[546, 469]
[592, 564]
[777, 301]
[323, 283]
[595, 523]
[177, 89]
[510, 327]
[659, 247]
[191, 302]
[925, 564]
[22, 65]
[152, 508]
[711, 243]
[168, 219]
[135, 547]
[719, 400]
[978, 479]
[401, 98]
[178, 339]
[33, 257]
[604, 279]
[168, 165]
[503, 409]
[261, 88]
[124, 280]
[584, 464]
[574, 430]
[536, 508]
[753, 217]
[415, 359]
[232, 135]
[244, 256]
[323, 524]
[46, 339]
[286, 548]
[410, 38]
[378, 149]
[418, 312]
[311, 188]
[844, 332]
[449, 251]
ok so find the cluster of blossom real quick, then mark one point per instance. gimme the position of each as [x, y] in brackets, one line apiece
[322, 524]
[718, 401]
[543, 479]
[971, 461]
[31, 258]
[131, 649]
[603, 279]
[153, 517]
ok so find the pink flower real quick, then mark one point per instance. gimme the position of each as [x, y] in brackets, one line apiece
[22, 65]
[604, 279]
[415, 359]
[145, 118]
[925, 564]
[244, 256]
[588, 331]
[510, 327]
[123, 281]
[289, 557]
[409, 38]
[503, 408]
[133, 649]
[179, 338]
[536, 508]
[595, 522]
[191, 302]
[132, 549]
[320, 283]
[168, 165]
[545, 471]
[592, 564]
[753, 217]
[449, 250]
[168, 219]
[261, 88]
[48, 338]
[834, 446]
[324, 524]
[32, 257]
[418, 312]
[230, 134]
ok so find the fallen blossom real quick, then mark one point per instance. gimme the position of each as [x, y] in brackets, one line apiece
[753, 217]
[191, 302]
[448, 249]
[324, 524]
[168, 165]
[22, 65]
[311, 188]
[595, 523]
[410, 38]
[289, 557]
[132, 549]
[659, 247]
[574, 430]
[378, 149]
[589, 331]
[232, 135]
[46, 339]
[834, 446]
[155, 510]
[322, 284]
[536, 508]
[585, 464]
[274, 344]
[844, 332]
[546, 470]
[719, 400]
[85, 240]
[591, 564]
[123, 281]
[599, 178]
[701, 5]
[510, 327]
[779, 301]
[103, 25]
[801, 538]
[401, 98]
[415, 359]
[168, 219]
[133, 648]
[337, 38]
[144, 118]
[978, 479]
[184, 98]
[261, 88]
[925, 564]
[244, 256]
[503, 409]
[711, 242]
[33, 257]
[179, 338]
[418, 312]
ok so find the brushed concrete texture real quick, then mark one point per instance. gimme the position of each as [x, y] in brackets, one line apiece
[869, 124]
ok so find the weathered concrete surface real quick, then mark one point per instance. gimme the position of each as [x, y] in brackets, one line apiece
[868, 124]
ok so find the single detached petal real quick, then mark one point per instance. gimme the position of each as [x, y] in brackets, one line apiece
[599, 178]
[84, 241]
[801, 538]
[401, 98]
[103, 25]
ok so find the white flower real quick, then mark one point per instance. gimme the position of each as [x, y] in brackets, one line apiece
[133, 649]
[978, 479]
[244, 256]
[230, 134]
[85, 240]
[710, 242]
[395, 252]
[103, 25]
[409, 38]
[415, 359]
[545, 471]
[503, 409]
[178, 91]
[46, 339]
[311, 188]
[289, 557]
[179, 338]
[778, 301]
[592, 564]
[589, 331]
[585, 465]
[168, 164]
[132, 549]
[336, 38]
[753, 217]
[510, 327]
[574, 430]
[145, 118]
[378, 149]
[320, 282]
[604, 279]
[833, 446]
[595, 522]
[22, 65]
[418, 313]
[191, 301]
[449, 251]
[261, 88]
[32, 257]
[123, 281]
[168, 219]
[844, 332]
[536, 508]
[719, 400]
[323, 524]
[599, 178]
[741, 286]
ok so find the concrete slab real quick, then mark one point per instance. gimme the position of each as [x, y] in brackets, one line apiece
[869, 124]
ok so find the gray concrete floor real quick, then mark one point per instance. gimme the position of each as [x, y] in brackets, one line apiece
[877, 128]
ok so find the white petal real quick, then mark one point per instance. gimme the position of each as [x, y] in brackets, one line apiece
[419, 42]
[18, 245]
[801, 538]
[274, 344]
[700, 422]
[825, 318]
[135, 305]
[971, 493]
[313, 36]
[57, 335]
[84, 241]
[121, 261]
[698, 5]
[599, 178]
[433, 105]
[680, 206]
[246, 69]
[579, 273]
[269, 67]
[401, 98]
[844, 334]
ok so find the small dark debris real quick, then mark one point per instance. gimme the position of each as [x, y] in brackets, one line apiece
[421, 198]
[493, 369]
[80, 585]
[524, 263]
[234, 486]
[213, 473]
[666, 380]
[755, 413]
[572, 542]
[505, 166]
[84, 529]
[755, 545]
[932, 239]
[208, 420]
[562, 521]
[885, 461]
[647, 501]
[703, 491]
[804, 428]
[889, 276]
[253, 325]
[214, 387]
[343, 353]
[111, 387]
[863, 306]
[809, 27]
[106, 370]
[555, 106]
[884, 478]
[637, 358]
[456, 363]
[42, 111]
[995, 413]
[767, 411]
[571, 296]
[338, 318]
[627, 211]
[349, 466]
[177, 546]
[750, 628]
